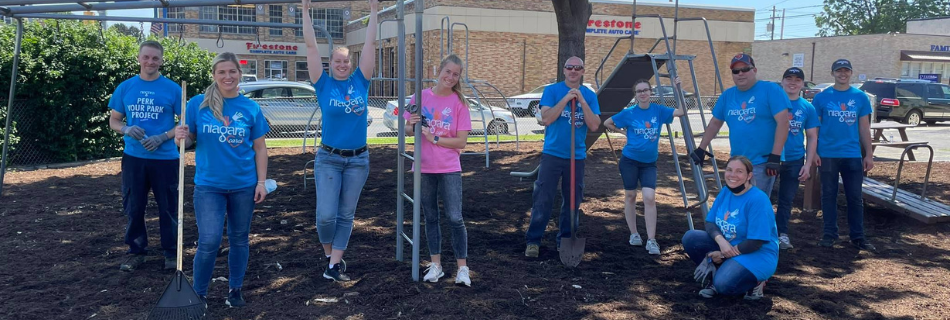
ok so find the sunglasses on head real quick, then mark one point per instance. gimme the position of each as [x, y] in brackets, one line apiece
[746, 69]
[642, 91]
[574, 67]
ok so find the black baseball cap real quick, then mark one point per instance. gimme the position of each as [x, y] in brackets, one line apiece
[742, 57]
[794, 72]
[841, 63]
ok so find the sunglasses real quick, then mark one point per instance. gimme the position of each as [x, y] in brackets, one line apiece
[574, 67]
[642, 91]
[746, 69]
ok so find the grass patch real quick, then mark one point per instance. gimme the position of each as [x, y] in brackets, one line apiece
[297, 142]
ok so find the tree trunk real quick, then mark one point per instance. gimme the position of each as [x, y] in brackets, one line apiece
[572, 17]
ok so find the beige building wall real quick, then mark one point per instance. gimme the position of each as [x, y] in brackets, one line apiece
[871, 55]
[935, 26]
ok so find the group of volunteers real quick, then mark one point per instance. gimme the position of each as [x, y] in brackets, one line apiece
[742, 237]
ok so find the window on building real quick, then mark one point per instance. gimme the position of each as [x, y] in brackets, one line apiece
[926, 67]
[331, 19]
[914, 70]
[276, 14]
[275, 69]
[175, 13]
[248, 67]
[244, 13]
[905, 69]
[302, 73]
[939, 69]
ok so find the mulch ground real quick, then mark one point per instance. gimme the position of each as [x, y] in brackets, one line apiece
[62, 232]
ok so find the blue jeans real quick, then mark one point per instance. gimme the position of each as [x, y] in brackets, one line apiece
[339, 183]
[552, 169]
[787, 188]
[161, 176]
[212, 207]
[761, 180]
[731, 277]
[852, 175]
[449, 187]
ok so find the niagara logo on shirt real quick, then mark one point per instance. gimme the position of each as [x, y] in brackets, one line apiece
[351, 103]
[232, 132]
[746, 111]
[578, 116]
[795, 122]
[439, 124]
[146, 93]
[728, 229]
[845, 112]
[649, 130]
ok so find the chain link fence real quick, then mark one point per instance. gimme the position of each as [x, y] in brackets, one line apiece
[23, 149]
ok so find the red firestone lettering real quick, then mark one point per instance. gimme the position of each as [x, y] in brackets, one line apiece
[249, 45]
[597, 23]
[638, 25]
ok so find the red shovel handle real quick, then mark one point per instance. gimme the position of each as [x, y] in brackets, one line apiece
[573, 178]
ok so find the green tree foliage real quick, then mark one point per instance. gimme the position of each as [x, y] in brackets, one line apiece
[67, 74]
[127, 30]
[854, 17]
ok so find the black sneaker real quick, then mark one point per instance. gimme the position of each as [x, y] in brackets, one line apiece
[235, 299]
[826, 242]
[864, 245]
[342, 264]
[335, 274]
[133, 262]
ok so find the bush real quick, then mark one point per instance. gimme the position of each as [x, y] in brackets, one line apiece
[68, 72]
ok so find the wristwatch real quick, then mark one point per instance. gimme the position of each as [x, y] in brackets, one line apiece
[435, 140]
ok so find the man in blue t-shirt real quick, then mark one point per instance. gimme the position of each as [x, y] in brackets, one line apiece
[143, 111]
[757, 115]
[556, 102]
[845, 129]
[796, 160]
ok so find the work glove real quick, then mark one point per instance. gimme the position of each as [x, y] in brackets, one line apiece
[699, 156]
[152, 143]
[773, 165]
[134, 132]
[704, 272]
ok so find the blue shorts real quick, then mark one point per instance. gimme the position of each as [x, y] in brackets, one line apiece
[633, 171]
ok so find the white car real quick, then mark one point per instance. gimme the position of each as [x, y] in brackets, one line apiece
[526, 104]
[500, 121]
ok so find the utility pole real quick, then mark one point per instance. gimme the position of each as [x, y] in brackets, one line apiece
[782, 34]
[773, 23]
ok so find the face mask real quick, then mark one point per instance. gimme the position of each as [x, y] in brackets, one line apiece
[738, 189]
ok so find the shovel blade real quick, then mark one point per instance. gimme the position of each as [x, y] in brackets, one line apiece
[572, 251]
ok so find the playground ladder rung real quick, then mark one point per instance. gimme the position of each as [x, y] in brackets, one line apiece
[408, 156]
[408, 198]
[407, 238]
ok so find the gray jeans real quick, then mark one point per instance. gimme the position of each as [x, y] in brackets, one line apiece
[448, 186]
[762, 180]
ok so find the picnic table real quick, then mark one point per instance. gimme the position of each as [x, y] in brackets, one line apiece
[879, 140]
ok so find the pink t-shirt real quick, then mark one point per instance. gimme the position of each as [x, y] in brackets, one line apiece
[447, 115]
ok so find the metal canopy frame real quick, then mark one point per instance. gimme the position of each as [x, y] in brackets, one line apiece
[53, 9]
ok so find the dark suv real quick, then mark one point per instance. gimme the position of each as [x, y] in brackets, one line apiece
[909, 100]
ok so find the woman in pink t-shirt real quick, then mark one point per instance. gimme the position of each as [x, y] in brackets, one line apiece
[445, 131]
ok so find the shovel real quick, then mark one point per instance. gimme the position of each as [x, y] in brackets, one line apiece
[179, 301]
[572, 249]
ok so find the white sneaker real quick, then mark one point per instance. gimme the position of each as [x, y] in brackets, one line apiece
[756, 293]
[463, 278]
[653, 247]
[433, 273]
[783, 242]
[635, 240]
[708, 292]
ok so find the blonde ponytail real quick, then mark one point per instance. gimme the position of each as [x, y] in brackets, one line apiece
[213, 98]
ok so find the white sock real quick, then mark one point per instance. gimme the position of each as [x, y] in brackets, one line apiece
[328, 256]
[332, 265]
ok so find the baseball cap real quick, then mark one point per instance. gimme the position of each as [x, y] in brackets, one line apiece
[794, 72]
[841, 63]
[742, 57]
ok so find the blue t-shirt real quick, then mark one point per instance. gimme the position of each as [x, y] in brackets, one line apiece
[151, 105]
[839, 111]
[801, 117]
[750, 115]
[344, 107]
[224, 153]
[643, 130]
[558, 134]
[748, 216]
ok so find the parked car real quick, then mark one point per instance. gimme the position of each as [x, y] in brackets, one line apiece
[286, 105]
[526, 104]
[500, 121]
[248, 78]
[667, 91]
[810, 93]
[910, 100]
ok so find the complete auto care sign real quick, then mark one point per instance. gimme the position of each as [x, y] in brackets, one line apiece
[611, 26]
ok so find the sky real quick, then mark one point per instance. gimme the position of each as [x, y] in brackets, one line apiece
[799, 15]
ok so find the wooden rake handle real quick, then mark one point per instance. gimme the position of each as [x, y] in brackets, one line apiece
[181, 177]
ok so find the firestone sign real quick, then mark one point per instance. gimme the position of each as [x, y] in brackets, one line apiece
[271, 48]
[612, 27]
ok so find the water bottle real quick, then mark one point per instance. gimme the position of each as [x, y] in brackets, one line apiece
[270, 185]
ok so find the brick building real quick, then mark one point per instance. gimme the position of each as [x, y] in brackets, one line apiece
[511, 43]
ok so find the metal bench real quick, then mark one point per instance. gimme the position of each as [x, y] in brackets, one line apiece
[904, 202]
